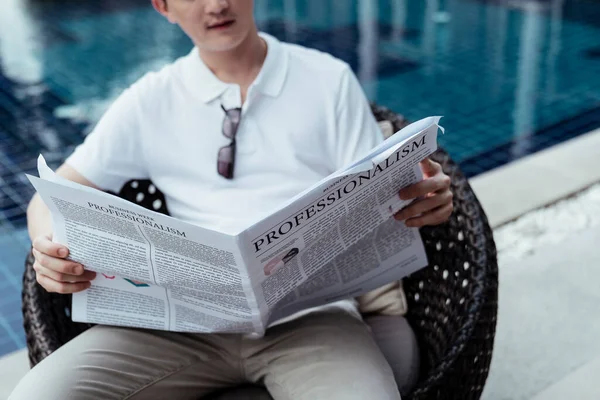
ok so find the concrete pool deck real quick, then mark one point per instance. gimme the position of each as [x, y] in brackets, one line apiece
[545, 210]
[548, 320]
[540, 179]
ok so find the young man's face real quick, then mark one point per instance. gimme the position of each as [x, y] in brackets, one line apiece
[213, 25]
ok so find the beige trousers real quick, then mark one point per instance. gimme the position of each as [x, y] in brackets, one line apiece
[326, 355]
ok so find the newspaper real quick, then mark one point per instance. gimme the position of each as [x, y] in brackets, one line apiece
[333, 241]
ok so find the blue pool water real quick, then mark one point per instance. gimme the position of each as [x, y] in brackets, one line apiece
[511, 78]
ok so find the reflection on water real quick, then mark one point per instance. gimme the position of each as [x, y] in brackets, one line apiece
[554, 45]
[399, 16]
[527, 79]
[367, 44]
[500, 75]
[19, 43]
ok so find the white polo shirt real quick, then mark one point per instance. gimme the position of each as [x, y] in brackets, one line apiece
[305, 116]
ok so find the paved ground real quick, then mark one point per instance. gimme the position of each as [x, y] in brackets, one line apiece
[547, 343]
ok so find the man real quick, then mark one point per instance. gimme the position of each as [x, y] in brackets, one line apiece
[296, 115]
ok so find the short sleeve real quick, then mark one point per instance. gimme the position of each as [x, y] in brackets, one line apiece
[357, 129]
[112, 153]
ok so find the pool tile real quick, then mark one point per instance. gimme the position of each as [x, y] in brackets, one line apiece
[14, 337]
[341, 43]
[8, 346]
[10, 303]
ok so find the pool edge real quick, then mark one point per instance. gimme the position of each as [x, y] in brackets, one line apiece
[539, 179]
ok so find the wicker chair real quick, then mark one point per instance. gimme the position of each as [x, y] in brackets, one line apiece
[452, 302]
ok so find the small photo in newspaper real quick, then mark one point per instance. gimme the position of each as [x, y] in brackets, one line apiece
[280, 260]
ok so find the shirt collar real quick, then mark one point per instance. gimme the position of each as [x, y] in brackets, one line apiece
[269, 81]
[272, 75]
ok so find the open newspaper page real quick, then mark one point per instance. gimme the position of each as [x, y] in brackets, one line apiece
[339, 239]
[153, 271]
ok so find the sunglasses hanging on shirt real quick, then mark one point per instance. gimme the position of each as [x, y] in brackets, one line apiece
[226, 156]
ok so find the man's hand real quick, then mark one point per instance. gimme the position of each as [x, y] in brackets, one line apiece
[54, 272]
[434, 198]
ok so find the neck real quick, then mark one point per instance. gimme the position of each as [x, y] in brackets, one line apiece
[240, 65]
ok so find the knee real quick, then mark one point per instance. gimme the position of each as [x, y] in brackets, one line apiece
[29, 387]
[397, 341]
[331, 353]
[341, 337]
[45, 381]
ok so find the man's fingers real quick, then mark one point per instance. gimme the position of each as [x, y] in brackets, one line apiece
[65, 278]
[418, 189]
[433, 217]
[429, 167]
[60, 287]
[44, 244]
[58, 264]
[424, 187]
[422, 206]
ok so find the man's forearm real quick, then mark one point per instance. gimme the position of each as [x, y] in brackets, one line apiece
[39, 221]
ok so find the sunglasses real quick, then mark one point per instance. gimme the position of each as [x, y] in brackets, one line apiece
[226, 156]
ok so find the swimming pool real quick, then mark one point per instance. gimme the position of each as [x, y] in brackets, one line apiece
[510, 79]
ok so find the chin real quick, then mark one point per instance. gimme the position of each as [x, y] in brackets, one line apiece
[224, 42]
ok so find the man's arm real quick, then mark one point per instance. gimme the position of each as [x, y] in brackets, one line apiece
[38, 214]
[53, 271]
[108, 156]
